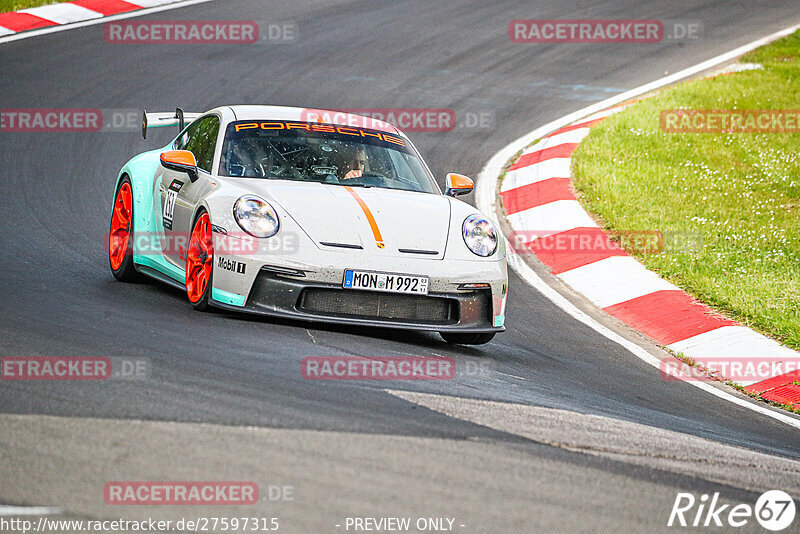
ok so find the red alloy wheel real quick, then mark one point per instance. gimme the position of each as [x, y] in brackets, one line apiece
[199, 259]
[120, 232]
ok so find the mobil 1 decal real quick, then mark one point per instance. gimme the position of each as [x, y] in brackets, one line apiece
[231, 265]
[169, 202]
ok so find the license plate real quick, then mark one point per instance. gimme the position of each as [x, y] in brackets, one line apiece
[392, 283]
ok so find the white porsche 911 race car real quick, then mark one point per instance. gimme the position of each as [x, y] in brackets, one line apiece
[275, 211]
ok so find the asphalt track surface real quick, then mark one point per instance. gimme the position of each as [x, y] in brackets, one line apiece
[347, 447]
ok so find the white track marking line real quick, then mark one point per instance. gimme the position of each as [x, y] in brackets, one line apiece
[603, 114]
[151, 3]
[486, 199]
[54, 29]
[27, 510]
[6, 31]
[572, 136]
[64, 13]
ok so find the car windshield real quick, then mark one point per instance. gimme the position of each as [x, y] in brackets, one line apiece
[324, 153]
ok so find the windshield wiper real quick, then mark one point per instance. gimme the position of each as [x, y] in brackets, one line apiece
[365, 186]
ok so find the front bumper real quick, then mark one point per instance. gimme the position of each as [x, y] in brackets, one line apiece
[282, 286]
[276, 296]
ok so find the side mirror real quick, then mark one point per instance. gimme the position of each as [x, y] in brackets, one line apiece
[458, 184]
[181, 161]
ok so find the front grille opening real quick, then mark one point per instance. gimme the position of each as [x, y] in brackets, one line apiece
[377, 305]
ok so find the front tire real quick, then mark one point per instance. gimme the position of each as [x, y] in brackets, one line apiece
[458, 338]
[200, 263]
[120, 242]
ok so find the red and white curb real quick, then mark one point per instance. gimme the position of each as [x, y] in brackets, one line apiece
[541, 207]
[67, 13]
[487, 200]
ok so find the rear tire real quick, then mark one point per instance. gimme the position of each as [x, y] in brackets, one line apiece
[120, 232]
[458, 338]
[200, 263]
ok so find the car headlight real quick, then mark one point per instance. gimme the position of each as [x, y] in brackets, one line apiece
[256, 217]
[479, 235]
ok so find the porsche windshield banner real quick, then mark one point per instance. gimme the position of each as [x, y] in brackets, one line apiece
[319, 130]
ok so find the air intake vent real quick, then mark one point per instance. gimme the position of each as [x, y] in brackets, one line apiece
[341, 245]
[377, 305]
[415, 251]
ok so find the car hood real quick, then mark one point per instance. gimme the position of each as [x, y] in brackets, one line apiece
[408, 224]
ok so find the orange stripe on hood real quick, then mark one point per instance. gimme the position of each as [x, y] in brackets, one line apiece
[372, 224]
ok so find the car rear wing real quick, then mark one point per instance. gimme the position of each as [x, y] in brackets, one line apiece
[162, 120]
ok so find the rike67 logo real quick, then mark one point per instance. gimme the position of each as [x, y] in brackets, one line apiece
[774, 510]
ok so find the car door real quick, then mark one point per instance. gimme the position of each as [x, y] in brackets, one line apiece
[179, 194]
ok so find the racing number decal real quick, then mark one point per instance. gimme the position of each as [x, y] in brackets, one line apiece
[169, 202]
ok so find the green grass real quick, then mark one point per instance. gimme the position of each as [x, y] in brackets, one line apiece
[728, 204]
[14, 5]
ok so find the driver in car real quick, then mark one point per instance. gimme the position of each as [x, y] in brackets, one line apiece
[246, 159]
[357, 164]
